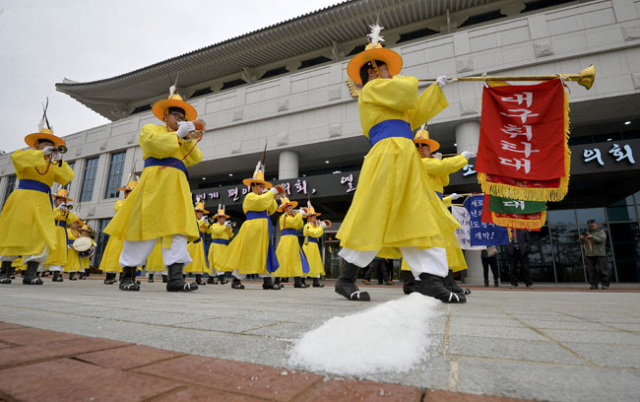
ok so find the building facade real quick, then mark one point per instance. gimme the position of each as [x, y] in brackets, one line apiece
[286, 86]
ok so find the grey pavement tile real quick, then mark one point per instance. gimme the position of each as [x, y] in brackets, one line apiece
[284, 330]
[228, 324]
[627, 327]
[547, 382]
[491, 322]
[512, 349]
[616, 356]
[604, 337]
[569, 325]
[456, 329]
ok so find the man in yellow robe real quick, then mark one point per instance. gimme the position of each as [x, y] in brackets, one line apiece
[27, 219]
[410, 220]
[220, 232]
[63, 219]
[159, 208]
[312, 232]
[293, 262]
[199, 264]
[437, 171]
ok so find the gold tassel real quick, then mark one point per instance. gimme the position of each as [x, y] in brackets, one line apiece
[512, 223]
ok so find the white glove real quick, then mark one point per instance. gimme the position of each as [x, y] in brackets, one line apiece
[442, 81]
[455, 196]
[274, 190]
[323, 225]
[184, 128]
[277, 189]
[204, 218]
[437, 155]
[227, 224]
[56, 156]
[468, 155]
[48, 150]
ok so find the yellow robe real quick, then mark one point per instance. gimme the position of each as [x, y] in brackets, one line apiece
[311, 250]
[155, 263]
[26, 221]
[248, 251]
[288, 251]
[218, 231]
[160, 205]
[197, 253]
[437, 172]
[85, 262]
[18, 264]
[393, 205]
[111, 256]
[59, 255]
[73, 259]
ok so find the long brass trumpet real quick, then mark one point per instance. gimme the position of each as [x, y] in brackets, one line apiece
[62, 149]
[585, 78]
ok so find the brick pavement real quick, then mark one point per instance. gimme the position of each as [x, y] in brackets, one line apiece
[40, 365]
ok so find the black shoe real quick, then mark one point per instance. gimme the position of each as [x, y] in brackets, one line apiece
[346, 284]
[199, 280]
[605, 287]
[150, 280]
[176, 282]
[57, 277]
[222, 279]
[210, 280]
[432, 285]
[486, 284]
[128, 281]
[236, 284]
[302, 279]
[267, 283]
[297, 283]
[110, 279]
[72, 276]
[5, 275]
[165, 279]
[496, 284]
[451, 284]
[594, 286]
[408, 282]
[82, 278]
[317, 284]
[30, 277]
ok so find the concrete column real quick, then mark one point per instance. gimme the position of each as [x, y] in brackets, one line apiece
[288, 165]
[468, 136]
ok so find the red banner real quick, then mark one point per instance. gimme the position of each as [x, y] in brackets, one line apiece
[522, 131]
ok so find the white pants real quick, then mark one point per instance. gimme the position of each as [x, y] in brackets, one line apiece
[431, 260]
[135, 253]
[54, 268]
[40, 258]
[240, 276]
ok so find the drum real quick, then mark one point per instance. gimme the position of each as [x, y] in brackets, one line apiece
[83, 246]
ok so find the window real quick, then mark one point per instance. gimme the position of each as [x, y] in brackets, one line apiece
[88, 179]
[11, 185]
[115, 174]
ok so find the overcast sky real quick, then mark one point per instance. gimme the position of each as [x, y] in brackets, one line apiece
[44, 41]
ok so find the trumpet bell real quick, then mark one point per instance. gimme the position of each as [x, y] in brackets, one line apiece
[327, 223]
[587, 76]
[62, 149]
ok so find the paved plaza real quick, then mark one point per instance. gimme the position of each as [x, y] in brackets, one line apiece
[554, 344]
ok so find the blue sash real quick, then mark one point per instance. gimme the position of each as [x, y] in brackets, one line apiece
[289, 232]
[439, 194]
[61, 224]
[388, 129]
[35, 185]
[220, 241]
[303, 257]
[312, 240]
[272, 259]
[170, 162]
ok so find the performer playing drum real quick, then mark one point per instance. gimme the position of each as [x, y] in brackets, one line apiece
[63, 218]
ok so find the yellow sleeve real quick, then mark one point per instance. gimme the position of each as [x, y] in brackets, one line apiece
[157, 142]
[305, 231]
[262, 202]
[71, 217]
[27, 159]
[203, 225]
[117, 206]
[196, 154]
[397, 93]
[297, 222]
[230, 232]
[281, 221]
[444, 167]
[446, 201]
[217, 229]
[64, 173]
[431, 102]
[315, 232]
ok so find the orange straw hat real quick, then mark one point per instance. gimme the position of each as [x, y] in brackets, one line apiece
[285, 203]
[200, 207]
[422, 137]
[160, 108]
[374, 51]
[62, 193]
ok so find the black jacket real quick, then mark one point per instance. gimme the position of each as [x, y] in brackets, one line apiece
[524, 242]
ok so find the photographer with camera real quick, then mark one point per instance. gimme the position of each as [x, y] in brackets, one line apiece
[594, 241]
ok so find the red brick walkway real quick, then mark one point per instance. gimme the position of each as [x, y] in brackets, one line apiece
[40, 365]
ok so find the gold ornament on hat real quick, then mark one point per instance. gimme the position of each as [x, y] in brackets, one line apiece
[62, 193]
[258, 173]
[200, 207]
